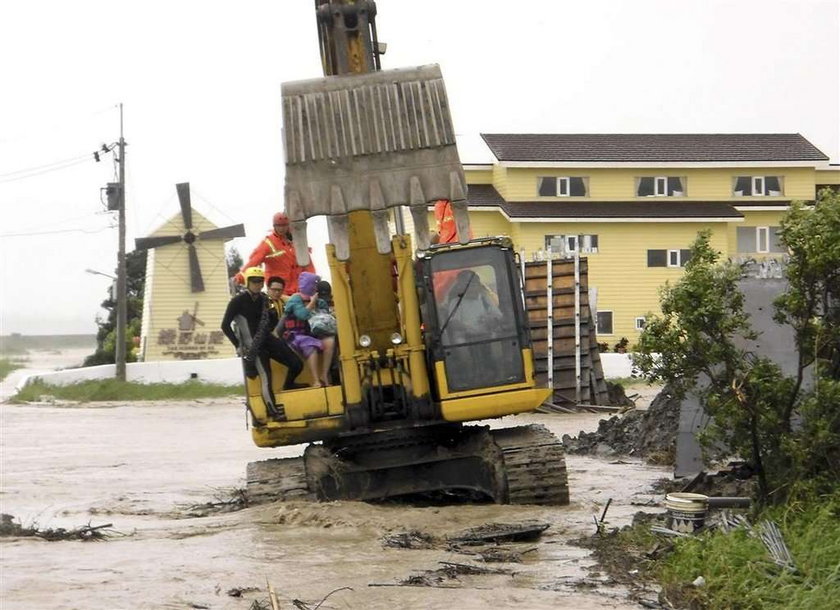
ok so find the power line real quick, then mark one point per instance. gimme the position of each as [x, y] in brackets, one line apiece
[22, 174]
[60, 222]
[44, 171]
[3, 235]
[45, 165]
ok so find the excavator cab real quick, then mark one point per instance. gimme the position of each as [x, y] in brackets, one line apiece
[474, 321]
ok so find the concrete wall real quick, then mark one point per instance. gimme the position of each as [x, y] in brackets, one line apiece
[616, 365]
[226, 371]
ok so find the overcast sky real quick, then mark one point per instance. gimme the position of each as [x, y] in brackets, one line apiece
[200, 85]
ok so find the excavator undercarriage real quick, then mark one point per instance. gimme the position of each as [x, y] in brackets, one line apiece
[521, 465]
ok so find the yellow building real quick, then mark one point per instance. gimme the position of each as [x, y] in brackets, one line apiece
[633, 204]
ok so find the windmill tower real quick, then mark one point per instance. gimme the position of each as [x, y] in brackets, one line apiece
[186, 286]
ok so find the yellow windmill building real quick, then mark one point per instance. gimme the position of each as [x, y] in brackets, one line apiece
[186, 288]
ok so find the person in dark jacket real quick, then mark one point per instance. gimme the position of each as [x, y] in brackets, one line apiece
[261, 318]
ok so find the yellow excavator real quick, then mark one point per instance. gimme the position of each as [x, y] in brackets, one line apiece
[429, 336]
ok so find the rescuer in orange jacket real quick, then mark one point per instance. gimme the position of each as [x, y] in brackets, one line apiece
[446, 233]
[277, 253]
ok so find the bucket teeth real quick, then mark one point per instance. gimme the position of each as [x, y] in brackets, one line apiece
[339, 229]
[297, 219]
[371, 142]
[380, 218]
[300, 241]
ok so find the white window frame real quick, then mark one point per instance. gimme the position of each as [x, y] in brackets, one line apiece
[586, 246]
[640, 323]
[758, 186]
[765, 231]
[673, 252]
[612, 320]
[571, 239]
[663, 180]
[563, 184]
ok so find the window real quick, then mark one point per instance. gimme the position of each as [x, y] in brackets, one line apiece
[640, 323]
[563, 186]
[604, 323]
[668, 258]
[759, 240]
[568, 244]
[757, 186]
[660, 186]
[673, 258]
[762, 238]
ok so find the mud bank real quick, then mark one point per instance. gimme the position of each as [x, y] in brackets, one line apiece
[140, 467]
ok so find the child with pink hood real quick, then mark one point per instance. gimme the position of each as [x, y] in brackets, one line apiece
[300, 307]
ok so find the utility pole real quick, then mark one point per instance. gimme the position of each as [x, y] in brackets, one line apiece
[122, 297]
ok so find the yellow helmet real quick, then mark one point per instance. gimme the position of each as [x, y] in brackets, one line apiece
[253, 272]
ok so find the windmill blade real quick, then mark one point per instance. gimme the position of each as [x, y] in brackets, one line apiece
[224, 233]
[195, 315]
[146, 243]
[196, 281]
[184, 199]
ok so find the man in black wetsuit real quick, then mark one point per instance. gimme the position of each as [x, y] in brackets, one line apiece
[254, 306]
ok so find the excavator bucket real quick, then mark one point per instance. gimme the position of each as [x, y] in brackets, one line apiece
[371, 142]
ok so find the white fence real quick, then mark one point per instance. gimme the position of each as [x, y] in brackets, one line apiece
[227, 371]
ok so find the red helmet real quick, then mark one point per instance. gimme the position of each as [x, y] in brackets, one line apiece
[280, 219]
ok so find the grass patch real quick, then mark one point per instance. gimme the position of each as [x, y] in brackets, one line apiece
[629, 381]
[7, 365]
[739, 573]
[111, 389]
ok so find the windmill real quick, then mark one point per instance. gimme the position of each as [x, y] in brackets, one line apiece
[190, 237]
[185, 270]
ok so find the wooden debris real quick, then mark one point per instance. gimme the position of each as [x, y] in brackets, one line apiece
[769, 533]
[224, 501]
[668, 532]
[500, 532]
[272, 596]
[495, 554]
[8, 527]
[454, 569]
[240, 591]
[414, 539]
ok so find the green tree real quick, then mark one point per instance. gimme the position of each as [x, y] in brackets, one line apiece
[135, 266]
[699, 344]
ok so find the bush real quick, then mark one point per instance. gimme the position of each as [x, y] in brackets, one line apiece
[698, 343]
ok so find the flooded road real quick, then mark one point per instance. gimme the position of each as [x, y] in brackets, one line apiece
[139, 467]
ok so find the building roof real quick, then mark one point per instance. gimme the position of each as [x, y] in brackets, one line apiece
[485, 195]
[655, 148]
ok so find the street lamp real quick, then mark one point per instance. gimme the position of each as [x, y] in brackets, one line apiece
[119, 354]
[95, 272]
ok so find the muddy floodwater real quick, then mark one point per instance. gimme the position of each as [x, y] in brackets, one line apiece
[139, 467]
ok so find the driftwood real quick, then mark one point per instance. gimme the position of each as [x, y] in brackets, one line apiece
[414, 539]
[495, 554]
[224, 501]
[500, 532]
[439, 578]
[8, 527]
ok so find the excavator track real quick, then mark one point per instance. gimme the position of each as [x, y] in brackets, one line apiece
[278, 479]
[535, 465]
[521, 465]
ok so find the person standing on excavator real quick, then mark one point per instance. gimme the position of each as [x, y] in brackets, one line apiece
[445, 233]
[277, 253]
[445, 230]
[260, 316]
